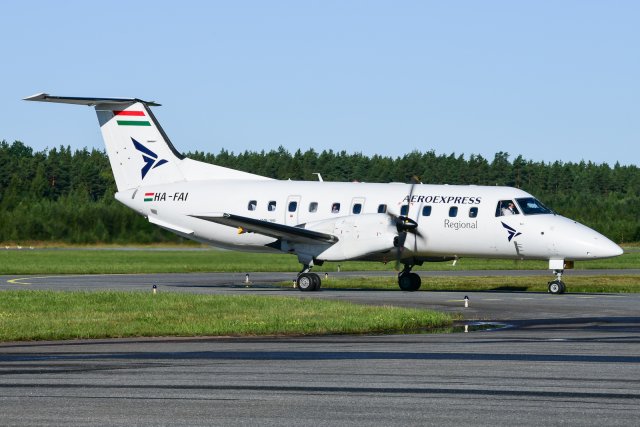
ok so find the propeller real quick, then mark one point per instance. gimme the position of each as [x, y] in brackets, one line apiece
[405, 224]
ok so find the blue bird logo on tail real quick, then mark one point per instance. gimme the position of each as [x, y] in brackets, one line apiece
[150, 158]
[512, 231]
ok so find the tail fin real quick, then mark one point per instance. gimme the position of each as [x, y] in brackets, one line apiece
[138, 148]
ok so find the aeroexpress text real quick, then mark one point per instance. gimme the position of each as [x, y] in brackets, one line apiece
[458, 200]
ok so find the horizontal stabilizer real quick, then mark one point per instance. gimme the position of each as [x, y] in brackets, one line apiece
[278, 231]
[45, 97]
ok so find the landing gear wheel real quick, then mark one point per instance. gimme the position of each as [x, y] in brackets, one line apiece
[557, 287]
[316, 281]
[409, 282]
[308, 282]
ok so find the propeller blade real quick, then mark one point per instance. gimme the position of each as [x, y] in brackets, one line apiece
[405, 224]
[409, 224]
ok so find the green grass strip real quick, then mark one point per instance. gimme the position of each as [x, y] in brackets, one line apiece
[49, 315]
[584, 284]
[92, 261]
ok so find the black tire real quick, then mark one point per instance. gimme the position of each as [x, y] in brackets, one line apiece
[409, 282]
[404, 282]
[306, 283]
[316, 281]
[556, 287]
[415, 282]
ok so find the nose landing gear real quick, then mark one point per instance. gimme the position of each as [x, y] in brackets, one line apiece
[557, 286]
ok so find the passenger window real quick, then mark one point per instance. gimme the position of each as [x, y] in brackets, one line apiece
[382, 208]
[357, 208]
[404, 210]
[252, 205]
[506, 208]
[453, 211]
[473, 212]
[271, 206]
[426, 210]
[293, 206]
[313, 207]
[335, 208]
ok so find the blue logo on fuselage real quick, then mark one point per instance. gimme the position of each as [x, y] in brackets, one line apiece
[512, 231]
[150, 158]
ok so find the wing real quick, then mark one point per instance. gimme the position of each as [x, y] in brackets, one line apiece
[278, 231]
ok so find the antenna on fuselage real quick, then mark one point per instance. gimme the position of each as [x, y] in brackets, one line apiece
[319, 176]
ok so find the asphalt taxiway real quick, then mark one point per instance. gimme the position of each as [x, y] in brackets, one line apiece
[571, 359]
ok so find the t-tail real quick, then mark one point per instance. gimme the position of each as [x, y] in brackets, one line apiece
[138, 148]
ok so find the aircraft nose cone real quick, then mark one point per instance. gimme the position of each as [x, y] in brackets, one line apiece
[610, 249]
[584, 243]
[602, 247]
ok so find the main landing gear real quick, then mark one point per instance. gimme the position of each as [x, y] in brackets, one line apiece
[557, 286]
[307, 281]
[407, 280]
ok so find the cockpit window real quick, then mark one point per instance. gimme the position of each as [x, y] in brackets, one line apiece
[531, 206]
[506, 207]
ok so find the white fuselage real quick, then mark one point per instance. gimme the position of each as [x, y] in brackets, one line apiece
[475, 229]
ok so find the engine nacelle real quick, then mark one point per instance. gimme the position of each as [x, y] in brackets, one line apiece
[358, 235]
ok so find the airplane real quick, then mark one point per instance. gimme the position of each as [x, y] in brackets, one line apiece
[318, 221]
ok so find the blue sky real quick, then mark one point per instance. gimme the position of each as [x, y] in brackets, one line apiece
[550, 80]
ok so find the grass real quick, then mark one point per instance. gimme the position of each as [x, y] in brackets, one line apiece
[49, 315]
[585, 284]
[109, 261]
[88, 261]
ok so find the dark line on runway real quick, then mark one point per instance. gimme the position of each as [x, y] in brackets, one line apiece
[340, 390]
[320, 355]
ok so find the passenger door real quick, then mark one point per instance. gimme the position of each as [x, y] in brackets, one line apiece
[291, 210]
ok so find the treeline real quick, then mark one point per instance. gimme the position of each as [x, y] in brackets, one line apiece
[67, 196]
